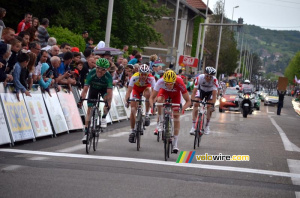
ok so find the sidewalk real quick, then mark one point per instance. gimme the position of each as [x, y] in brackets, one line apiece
[296, 106]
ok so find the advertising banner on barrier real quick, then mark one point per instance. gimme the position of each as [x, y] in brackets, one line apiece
[119, 105]
[76, 94]
[70, 110]
[55, 111]
[4, 134]
[122, 92]
[17, 117]
[37, 112]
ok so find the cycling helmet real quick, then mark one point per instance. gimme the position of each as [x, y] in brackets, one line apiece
[210, 70]
[170, 76]
[247, 82]
[144, 68]
[103, 63]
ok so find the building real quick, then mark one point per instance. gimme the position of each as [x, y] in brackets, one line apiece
[190, 13]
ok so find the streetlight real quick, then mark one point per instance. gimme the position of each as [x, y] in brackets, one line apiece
[232, 15]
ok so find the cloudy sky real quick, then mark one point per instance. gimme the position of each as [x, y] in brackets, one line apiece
[268, 14]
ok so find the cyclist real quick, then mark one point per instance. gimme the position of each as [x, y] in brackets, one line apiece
[98, 81]
[170, 85]
[139, 84]
[206, 86]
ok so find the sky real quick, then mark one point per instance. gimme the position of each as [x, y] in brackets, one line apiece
[268, 14]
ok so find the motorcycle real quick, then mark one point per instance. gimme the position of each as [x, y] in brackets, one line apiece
[246, 102]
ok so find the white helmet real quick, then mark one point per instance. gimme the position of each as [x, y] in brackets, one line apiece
[247, 81]
[144, 68]
[210, 70]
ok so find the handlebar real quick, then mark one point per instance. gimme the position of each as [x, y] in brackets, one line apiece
[203, 102]
[164, 104]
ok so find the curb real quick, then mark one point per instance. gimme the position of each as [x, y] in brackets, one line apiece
[296, 106]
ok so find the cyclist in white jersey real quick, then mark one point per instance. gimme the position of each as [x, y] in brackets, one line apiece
[206, 86]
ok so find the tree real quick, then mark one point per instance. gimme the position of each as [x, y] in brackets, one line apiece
[132, 22]
[293, 68]
[229, 54]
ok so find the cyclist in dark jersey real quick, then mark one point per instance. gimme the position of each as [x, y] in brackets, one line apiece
[98, 81]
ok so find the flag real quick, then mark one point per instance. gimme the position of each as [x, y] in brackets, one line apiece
[296, 80]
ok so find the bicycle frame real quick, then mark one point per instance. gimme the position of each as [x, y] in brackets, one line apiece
[139, 126]
[167, 133]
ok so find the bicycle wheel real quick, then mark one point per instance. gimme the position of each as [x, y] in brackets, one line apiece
[166, 138]
[198, 131]
[89, 135]
[96, 129]
[201, 131]
[138, 130]
[158, 136]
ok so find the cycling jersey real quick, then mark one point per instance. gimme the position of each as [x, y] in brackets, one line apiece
[135, 81]
[105, 82]
[174, 94]
[139, 87]
[205, 86]
[179, 86]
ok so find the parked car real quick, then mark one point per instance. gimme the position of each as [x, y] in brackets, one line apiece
[271, 98]
[229, 100]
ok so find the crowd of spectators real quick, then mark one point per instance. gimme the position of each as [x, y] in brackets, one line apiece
[30, 56]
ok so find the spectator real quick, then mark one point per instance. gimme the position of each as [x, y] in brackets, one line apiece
[33, 34]
[2, 15]
[65, 64]
[281, 95]
[35, 22]
[26, 73]
[133, 53]
[76, 59]
[51, 42]
[43, 35]
[35, 47]
[136, 59]
[85, 35]
[153, 58]
[87, 54]
[16, 46]
[43, 81]
[23, 60]
[7, 35]
[125, 51]
[54, 50]
[107, 55]
[25, 23]
[124, 62]
[64, 47]
[5, 51]
[89, 43]
[25, 36]
[37, 70]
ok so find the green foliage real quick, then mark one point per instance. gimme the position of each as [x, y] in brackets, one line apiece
[293, 68]
[197, 22]
[132, 22]
[64, 35]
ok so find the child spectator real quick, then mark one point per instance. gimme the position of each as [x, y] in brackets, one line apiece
[26, 73]
[16, 46]
[5, 51]
[23, 60]
[76, 59]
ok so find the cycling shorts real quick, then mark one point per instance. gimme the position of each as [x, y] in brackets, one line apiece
[175, 96]
[93, 94]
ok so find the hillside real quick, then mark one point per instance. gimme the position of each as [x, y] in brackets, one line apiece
[275, 48]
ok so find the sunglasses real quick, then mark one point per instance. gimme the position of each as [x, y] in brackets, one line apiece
[208, 76]
[101, 69]
[169, 83]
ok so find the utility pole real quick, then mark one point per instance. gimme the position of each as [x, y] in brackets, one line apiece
[174, 34]
[203, 38]
[108, 22]
[220, 38]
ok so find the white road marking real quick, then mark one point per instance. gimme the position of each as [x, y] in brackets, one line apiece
[294, 166]
[288, 145]
[77, 147]
[11, 168]
[157, 162]
[119, 134]
[38, 158]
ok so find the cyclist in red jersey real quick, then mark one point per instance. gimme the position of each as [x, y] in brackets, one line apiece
[171, 86]
[139, 84]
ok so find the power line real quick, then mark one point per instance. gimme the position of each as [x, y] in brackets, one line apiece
[270, 4]
[287, 1]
